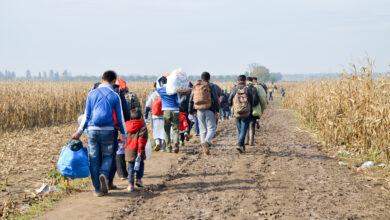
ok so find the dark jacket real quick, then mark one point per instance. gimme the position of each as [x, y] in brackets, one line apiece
[185, 104]
[250, 92]
[215, 90]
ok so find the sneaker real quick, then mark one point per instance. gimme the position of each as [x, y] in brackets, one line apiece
[130, 188]
[205, 146]
[240, 149]
[123, 178]
[112, 187]
[197, 135]
[139, 183]
[176, 150]
[103, 184]
[157, 147]
[98, 194]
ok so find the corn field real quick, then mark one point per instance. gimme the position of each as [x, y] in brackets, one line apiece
[352, 112]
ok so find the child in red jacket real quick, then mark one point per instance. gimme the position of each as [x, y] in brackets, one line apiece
[183, 127]
[136, 142]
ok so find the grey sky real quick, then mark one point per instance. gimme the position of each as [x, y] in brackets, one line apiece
[221, 36]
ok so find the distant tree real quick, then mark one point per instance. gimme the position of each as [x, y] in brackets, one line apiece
[276, 77]
[261, 72]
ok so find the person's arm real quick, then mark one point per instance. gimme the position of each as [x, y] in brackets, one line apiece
[191, 103]
[142, 140]
[214, 97]
[255, 96]
[85, 120]
[231, 96]
[119, 116]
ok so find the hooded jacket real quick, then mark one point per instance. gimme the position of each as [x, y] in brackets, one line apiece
[137, 138]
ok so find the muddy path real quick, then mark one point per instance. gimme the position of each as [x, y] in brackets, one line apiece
[287, 175]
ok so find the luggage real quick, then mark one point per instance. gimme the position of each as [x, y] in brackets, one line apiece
[157, 107]
[73, 164]
[177, 82]
[148, 150]
[202, 95]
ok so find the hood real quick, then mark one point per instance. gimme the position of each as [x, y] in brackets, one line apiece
[133, 126]
[121, 83]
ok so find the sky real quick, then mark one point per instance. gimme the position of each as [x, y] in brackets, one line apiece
[152, 37]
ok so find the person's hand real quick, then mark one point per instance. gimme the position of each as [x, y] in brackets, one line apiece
[124, 143]
[76, 136]
[139, 154]
[217, 115]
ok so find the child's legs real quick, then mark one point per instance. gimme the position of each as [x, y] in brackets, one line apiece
[182, 137]
[140, 172]
[131, 172]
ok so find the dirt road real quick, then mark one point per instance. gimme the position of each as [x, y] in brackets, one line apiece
[287, 175]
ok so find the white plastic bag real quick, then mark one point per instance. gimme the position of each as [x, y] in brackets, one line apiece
[148, 150]
[177, 82]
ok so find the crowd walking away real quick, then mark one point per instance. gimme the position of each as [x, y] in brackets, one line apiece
[177, 109]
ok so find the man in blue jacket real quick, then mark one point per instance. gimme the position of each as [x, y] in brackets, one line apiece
[171, 107]
[99, 121]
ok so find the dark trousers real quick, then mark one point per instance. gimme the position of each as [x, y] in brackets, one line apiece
[132, 172]
[113, 164]
[250, 136]
[121, 166]
[242, 126]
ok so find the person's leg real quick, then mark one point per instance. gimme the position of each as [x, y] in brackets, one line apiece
[211, 125]
[244, 128]
[167, 128]
[176, 129]
[196, 126]
[107, 149]
[182, 138]
[202, 125]
[140, 172]
[131, 173]
[94, 158]
[121, 166]
[252, 129]
[113, 169]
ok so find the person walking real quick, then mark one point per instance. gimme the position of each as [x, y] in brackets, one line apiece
[204, 99]
[98, 119]
[259, 106]
[171, 107]
[241, 100]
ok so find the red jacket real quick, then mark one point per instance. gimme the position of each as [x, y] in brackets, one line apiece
[183, 121]
[137, 137]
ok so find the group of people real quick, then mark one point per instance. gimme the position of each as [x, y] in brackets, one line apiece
[111, 108]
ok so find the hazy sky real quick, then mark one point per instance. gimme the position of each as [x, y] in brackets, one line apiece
[221, 36]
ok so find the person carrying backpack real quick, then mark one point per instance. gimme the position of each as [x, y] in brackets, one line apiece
[154, 104]
[204, 99]
[223, 111]
[257, 109]
[101, 103]
[241, 99]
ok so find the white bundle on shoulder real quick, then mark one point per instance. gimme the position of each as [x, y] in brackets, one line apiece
[177, 82]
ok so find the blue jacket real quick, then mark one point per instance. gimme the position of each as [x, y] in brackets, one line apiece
[99, 109]
[168, 102]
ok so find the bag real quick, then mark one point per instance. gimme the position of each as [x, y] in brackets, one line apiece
[241, 105]
[202, 96]
[157, 107]
[256, 112]
[73, 164]
[177, 82]
[148, 150]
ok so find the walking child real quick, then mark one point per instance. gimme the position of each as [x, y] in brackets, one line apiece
[137, 138]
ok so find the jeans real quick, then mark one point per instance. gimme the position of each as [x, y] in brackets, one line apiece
[140, 172]
[100, 150]
[113, 169]
[207, 125]
[171, 118]
[196, 125]
[242, 126]
[250, 136]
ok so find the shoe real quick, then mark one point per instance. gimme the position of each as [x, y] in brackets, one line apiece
[103, 184]
[139, 183]
[123, 178]
[163, 150]
[240, 149]
[176, 151]
[188, 137]
[182, 144]
[205, 146]
[157, 147]
[112, 187]
[130, 188]
[169, 149]
[98, 194]
[196, 134]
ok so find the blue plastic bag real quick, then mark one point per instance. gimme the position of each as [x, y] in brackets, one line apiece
[73, 164]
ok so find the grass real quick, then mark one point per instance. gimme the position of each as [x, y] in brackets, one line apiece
[50, 200]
